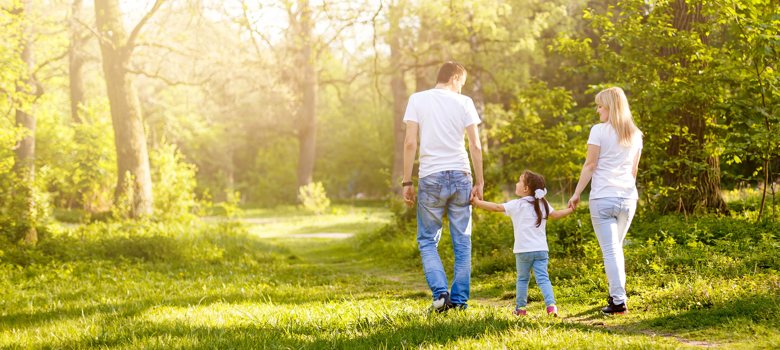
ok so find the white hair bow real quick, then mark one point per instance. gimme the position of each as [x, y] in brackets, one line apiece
[540, 193]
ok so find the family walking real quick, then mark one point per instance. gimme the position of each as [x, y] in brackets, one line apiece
[438, 118]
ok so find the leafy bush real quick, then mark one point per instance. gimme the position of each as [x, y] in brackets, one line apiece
[314, 198]
[174, 184]
[81, 156]
[135, 240]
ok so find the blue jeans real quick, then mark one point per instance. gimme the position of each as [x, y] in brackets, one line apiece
[538, 261]
[439, 193]
[611, 218]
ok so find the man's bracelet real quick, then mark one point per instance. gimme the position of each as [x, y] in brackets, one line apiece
[408, 183]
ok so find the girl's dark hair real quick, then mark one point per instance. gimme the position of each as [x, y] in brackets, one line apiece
[535, 182]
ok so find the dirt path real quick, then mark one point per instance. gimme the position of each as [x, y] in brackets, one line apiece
[416, 284]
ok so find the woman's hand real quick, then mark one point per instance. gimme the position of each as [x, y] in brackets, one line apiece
[573, 201]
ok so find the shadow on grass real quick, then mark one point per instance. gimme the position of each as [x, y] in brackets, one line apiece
[758, 309]
[398, 331]
[133, 307]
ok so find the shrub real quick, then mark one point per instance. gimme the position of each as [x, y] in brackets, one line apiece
[174, 184]
[314, 198]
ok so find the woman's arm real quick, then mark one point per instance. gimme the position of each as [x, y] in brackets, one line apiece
[591, 161]
[487, 205]
[635, 168]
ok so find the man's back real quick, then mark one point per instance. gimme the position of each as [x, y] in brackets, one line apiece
[443, 116]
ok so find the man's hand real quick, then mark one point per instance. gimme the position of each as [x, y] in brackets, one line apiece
[473, 199]
[477, 190]
[409, 195]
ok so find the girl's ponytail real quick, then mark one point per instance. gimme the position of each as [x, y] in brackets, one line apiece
[535, 182]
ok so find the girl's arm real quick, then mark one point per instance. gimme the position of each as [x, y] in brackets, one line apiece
[558, 214]
[487, 205]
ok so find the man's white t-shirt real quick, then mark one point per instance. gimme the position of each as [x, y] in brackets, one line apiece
[614, 172]
[528, 237]
[443, 116]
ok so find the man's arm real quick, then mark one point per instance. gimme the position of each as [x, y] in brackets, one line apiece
[410, 151]
[475, 149]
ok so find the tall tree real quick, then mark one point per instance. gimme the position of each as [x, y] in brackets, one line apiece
[76, 60]
[134, 177]
[687, 17]
[398, 87]
[24, 165]
[301, 22]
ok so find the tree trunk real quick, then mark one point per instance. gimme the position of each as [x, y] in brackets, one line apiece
[130, 140]
[421, 79]
[477, 92]
[400, 98]
[706, 192]
[76, 62]
[24, 162]
[308, 84]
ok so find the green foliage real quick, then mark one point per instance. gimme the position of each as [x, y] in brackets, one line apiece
[540, 134]
[140, 241]
[313, 197]
[750, 69]
[81, 157]
[274, 179]
[17, 216]
[174, 184]
[354, 154]
[694, 91]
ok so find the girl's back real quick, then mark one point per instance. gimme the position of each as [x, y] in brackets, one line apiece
[528, 237]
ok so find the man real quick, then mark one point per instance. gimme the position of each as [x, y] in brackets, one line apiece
[442, 115]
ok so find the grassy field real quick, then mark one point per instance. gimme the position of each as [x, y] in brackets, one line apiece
[272, 283]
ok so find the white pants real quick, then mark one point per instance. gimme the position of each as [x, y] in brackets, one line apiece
[611, 218]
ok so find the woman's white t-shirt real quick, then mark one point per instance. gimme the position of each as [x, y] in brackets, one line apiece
[614, 176]
[528, 237]
[443, 116]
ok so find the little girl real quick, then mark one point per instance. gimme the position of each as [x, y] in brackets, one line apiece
[529, 215]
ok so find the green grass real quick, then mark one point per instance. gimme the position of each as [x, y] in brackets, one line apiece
[130, 286]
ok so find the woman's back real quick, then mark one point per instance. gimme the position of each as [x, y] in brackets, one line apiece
[613, 176]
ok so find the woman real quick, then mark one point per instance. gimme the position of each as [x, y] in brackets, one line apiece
[614, 148]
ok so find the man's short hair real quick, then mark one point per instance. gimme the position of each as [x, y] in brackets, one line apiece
[448, 70]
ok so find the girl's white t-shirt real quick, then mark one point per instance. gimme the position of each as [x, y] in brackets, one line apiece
[613, 177]
[528, 237]
[443, 116]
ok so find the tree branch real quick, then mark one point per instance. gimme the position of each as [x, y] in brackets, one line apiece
[99, 36]
[137, 30]
[49, 61]
[168, 81]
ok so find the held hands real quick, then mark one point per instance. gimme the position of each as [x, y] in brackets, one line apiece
[477, 191]
[473, 199]
[575, 199]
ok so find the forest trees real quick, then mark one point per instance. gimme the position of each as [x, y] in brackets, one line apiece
[261, 97]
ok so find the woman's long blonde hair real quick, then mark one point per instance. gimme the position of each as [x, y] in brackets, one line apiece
[614, 99]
